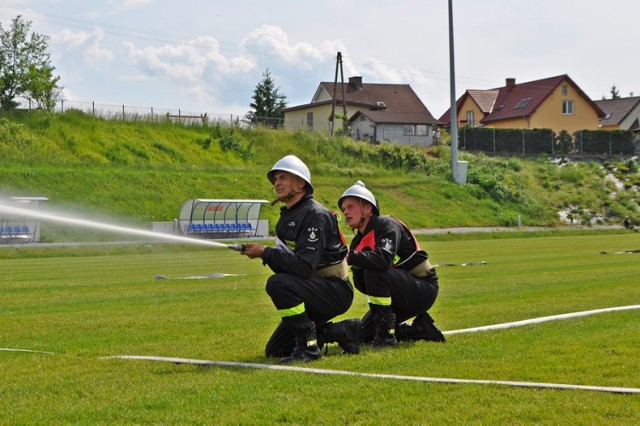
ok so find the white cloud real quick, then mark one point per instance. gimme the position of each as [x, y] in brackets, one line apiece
[178, 62]
[86, 45]
[125, 5]
[272, 40]
[192, 66]
[186, 61]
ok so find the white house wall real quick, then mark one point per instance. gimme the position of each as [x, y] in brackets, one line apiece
[630, 118]
[364, 129]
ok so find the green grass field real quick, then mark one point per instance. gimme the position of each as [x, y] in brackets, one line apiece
[88, 302]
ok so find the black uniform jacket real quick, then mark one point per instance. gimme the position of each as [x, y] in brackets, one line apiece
[312, 236]
[386, 242]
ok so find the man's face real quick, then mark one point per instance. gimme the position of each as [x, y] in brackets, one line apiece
[285, 183]
[352, 211]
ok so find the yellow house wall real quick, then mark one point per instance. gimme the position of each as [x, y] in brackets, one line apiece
[469, 105]
[549, 114]
[294, 120]
[514, 123]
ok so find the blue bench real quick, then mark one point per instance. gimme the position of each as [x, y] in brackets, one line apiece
[220, 228]
[15, 232]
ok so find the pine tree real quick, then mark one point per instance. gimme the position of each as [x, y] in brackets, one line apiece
[267, 103]
[615, 94]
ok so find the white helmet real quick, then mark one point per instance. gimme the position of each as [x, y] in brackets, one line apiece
[293, 165]
[358, 190]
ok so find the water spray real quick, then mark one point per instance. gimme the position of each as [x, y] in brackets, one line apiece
[112, 228]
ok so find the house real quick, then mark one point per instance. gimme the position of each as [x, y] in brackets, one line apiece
[555, 103]
[374, 112]
[620, 114]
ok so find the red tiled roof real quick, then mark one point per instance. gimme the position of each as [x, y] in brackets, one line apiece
[535, 92]
[500, 103]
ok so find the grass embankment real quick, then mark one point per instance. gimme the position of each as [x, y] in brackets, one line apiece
[84, 303]
[142, 172]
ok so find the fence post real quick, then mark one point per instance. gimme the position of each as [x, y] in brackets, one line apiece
[62, 106]
[122, 112]
[610, 150]
[494, 140]
[523, 144]
[93, 108]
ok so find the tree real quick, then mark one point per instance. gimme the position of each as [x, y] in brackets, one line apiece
[267, 104]
[615, 93]
[25, 67]
[564, 141]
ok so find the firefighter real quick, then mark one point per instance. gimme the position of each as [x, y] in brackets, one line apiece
[310, 285]
[391, 269]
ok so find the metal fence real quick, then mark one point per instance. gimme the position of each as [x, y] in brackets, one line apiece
[546, 141]
[151, 114]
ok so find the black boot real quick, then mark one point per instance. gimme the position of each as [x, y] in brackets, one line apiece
[306, 347]
[423, 328]
[346, 333]
[385, 328]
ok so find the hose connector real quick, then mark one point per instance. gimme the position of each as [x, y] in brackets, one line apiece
[237, 247]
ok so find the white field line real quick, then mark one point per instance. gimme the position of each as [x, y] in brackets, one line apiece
[25, 350]
[541, 319]
[400, 377]
[374, 375]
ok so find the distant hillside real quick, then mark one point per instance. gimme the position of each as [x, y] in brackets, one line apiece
[143, 172]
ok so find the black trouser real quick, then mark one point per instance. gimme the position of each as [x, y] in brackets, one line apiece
[410, 296]
[323, 298]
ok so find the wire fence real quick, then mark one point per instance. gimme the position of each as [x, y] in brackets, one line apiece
[129, 113]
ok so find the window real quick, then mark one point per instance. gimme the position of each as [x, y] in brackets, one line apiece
[564, 90]
[523, 103]
[470, 118]
[567, 107]
[415, 130]
[310, 120]
[409, 130]
[607, 116]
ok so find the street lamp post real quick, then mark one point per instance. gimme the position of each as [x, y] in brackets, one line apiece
[458, 168]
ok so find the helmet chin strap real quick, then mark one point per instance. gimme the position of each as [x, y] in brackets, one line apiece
[286, 198]
[363, 216]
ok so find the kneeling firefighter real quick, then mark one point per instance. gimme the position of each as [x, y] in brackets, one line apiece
[391, 269]
[310, 285]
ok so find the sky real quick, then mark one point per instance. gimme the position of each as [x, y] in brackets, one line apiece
[208, 55]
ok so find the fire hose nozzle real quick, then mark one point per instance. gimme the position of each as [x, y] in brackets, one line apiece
[237, 247]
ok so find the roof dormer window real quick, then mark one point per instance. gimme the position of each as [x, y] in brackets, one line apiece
[523, 103]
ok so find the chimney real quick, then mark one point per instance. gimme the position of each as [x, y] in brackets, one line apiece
[356, 82]
[510, 83]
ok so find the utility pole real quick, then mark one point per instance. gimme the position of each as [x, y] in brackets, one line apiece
[335, 86]
[458, 168]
